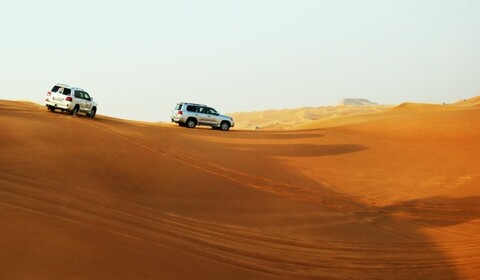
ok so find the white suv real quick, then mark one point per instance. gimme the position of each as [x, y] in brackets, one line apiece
[70, 99]
[191, 115]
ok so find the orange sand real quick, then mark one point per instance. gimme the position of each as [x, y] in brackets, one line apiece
[388, 195]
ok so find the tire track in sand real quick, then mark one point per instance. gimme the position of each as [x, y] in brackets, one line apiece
[238, 246]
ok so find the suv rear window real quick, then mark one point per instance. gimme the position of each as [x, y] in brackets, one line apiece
[178, 107]
[64, 91]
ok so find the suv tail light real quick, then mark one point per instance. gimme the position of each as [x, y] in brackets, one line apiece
[69, 98]
[180, 112]
[49, 94]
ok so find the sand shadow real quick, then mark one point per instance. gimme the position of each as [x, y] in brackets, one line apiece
[404, 251]
[300, 150]
[244, 134]
[437, 211]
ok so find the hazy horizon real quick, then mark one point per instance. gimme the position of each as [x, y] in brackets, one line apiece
[139, 58]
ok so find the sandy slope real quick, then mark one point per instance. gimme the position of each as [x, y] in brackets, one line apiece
[389, 195]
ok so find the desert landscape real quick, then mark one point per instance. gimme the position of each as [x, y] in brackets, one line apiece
[284, 119]
[390, 193]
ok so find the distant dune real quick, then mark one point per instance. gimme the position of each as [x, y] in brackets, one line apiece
[472, 102]
[367, 192]
[295, 118]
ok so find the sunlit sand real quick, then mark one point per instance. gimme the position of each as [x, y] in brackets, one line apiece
[376, 192]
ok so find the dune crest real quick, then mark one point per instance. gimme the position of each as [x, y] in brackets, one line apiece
[472, 102]
[296, 118]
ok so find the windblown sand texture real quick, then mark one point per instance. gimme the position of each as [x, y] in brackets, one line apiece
[387, 195]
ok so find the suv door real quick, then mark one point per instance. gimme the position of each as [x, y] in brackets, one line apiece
[79, 99]
[88, 101]
[202, 115]
[212, 117]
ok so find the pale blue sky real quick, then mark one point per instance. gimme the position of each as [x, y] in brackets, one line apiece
[138, 58]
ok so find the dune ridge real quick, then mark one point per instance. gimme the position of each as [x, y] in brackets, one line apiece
[295, 118]
[391, 194]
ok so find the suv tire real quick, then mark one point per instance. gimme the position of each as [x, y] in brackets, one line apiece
[225, 126]
[191, 123]
[92, 113]
[74, 112]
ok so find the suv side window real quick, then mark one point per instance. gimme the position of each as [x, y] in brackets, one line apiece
[79, 94]
[66, 91]
[202, 110]
[192, 108]
[211, 111]
[86, 96]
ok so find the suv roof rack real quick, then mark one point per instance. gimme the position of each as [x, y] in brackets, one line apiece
[67, 86]
[189, 103]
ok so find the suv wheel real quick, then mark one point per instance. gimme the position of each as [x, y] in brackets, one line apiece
[74, 112]
[92, 113]
[191, 123]
[224, 126]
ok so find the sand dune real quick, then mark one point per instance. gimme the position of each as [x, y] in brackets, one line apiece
[296, 118]
[390, 194]
[472, 102]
